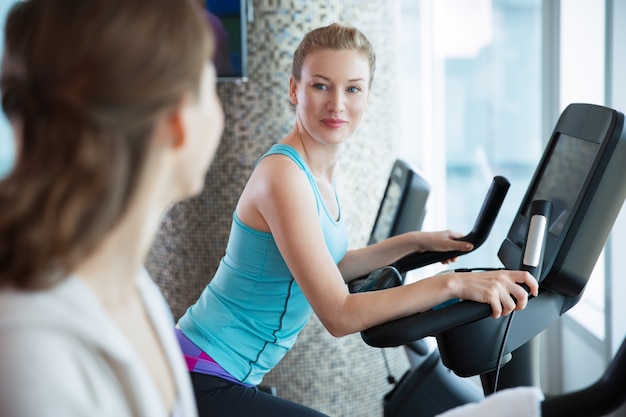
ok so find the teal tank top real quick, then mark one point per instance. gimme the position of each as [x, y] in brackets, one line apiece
[252, 311]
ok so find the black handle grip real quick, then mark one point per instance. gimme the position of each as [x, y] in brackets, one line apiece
[385, 277]
[417, 326]
[606, 395]
[482, 227]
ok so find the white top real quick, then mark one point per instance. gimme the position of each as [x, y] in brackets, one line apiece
[512, 402]
[61, 355]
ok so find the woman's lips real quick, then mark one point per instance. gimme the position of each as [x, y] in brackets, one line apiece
[334, 123]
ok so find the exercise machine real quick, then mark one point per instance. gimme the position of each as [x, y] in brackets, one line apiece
[578, 189]
[427, 384]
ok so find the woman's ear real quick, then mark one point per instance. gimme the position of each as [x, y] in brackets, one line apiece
[293, 91]
[174, 127]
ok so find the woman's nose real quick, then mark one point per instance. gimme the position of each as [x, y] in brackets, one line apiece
[336, 102]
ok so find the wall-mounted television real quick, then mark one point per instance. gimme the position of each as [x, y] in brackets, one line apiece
[228, 19]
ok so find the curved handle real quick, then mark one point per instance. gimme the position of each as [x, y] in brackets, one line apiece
[417, 326]
[385, 277]
[482, 227]
[607, 394]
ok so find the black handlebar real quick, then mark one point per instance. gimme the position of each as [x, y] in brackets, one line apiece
[482, 227]
[599, 399]
[417, 326]
[404, 330]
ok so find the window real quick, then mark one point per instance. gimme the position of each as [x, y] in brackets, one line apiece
[473, 95]
[484, 83]
[581, 75]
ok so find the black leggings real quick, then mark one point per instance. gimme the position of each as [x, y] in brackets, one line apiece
[218, 397]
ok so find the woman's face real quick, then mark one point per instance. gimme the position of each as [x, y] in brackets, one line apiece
[204, 120]
[332, 94]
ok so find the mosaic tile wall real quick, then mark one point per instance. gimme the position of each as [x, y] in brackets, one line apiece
[341, 377]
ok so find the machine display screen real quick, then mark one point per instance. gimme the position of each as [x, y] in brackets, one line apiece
[563, 177]
[388, 211]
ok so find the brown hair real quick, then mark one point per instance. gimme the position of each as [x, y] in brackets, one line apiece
[83, 82]
[334, 36]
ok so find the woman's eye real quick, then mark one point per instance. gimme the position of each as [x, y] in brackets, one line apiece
[320, 87]
[354, 89]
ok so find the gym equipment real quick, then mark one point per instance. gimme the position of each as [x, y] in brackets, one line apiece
[597, 400]
[427, 385]
[581, 175]
[403, 206]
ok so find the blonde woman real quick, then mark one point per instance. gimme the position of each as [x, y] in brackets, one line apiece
[287, 252]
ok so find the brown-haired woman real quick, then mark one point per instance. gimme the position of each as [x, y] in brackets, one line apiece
[287, 252]
[113, 108]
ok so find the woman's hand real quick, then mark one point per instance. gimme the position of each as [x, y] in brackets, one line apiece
[500, 289]
[443, 241]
